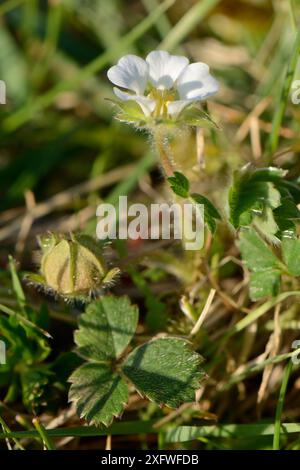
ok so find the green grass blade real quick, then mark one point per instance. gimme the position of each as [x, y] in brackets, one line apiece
[282, 101]
[119, 428]
[17, 287]
[254, 368]
[283, 388]
[259, 312]
[23, 320]
[187, 23]
[190, 433]
[163, 24]
[44, 435]
[178, 434]
[7, 430]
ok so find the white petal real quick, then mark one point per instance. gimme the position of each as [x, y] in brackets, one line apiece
[164, 69]
[196, 83]
[131, 72]
[175, 107]
[145, 103]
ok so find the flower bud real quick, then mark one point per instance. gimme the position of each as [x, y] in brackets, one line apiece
[73, 267]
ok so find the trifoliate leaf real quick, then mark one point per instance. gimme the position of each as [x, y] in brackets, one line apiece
[98, 393]
[165, 370]
[291, 254]
[264, 283]
[210, 212]
[106, 328]
[179, 184]
[255, 252]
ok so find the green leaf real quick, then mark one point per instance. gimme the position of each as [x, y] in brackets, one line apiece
[194, 116]
[179, 184]
[98, 393]
[286, 214]
[208, 204]
[291, 254]
[266, 225]
[255, 252]
[34, 380]
[266, 174]
[274, 197]
[106, 328]
[263, 197]
[165, 370]
[129, 111]
[210, 212]
[265, 267]
[252, 190]
[264, 283]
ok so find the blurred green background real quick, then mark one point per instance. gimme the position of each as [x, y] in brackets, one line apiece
[61, 150]
[57, 128]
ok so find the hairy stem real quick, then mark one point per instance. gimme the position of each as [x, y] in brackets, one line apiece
[161, 146]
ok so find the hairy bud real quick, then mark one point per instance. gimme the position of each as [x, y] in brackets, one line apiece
[73, 267]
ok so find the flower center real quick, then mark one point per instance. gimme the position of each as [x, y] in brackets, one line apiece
[162, 99]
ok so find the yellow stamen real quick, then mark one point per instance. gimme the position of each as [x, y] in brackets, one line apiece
[162, 98]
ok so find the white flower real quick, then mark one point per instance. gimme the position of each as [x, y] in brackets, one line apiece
[163, 84]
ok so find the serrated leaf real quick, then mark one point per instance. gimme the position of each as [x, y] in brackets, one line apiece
[210, 212]
[264, 283]
[208, 204]
[106, 328]
[165, 370]
[253, 190]
[264, 265]
[291, 254]
[271, 173]
[257, 191]
[255, 252]
[179, 184]
[98, 393]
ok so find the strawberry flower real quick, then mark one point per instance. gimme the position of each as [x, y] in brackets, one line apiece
[163, 85]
